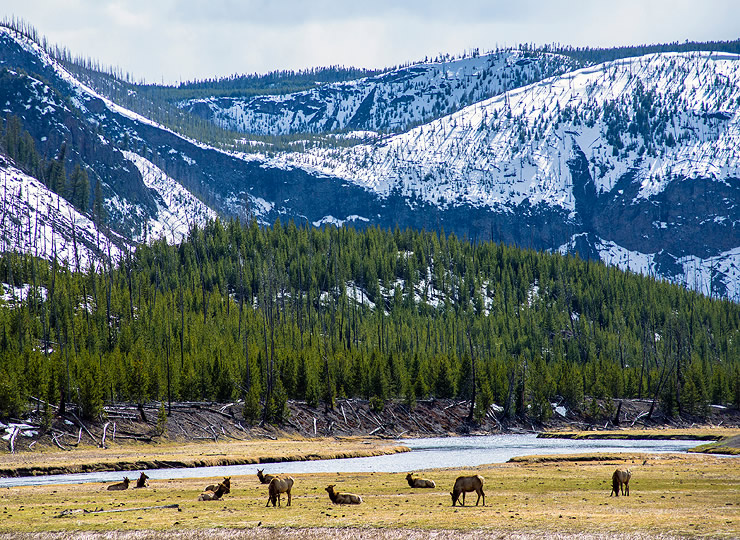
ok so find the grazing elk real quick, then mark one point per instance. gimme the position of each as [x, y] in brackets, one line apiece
[278, 485]
[120, 486]
[226, 483]
[419, 482]
[213, 495]
[464, 484]
[143, 481]
[621, 479]
[342, 498]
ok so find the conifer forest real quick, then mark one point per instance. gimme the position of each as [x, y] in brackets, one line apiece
[267, 314]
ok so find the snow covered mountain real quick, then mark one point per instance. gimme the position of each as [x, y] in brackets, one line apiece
[640, 158]
[634, 162]
[390, 102]
[140, 201]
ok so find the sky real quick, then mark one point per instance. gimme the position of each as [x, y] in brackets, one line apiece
[177, 40]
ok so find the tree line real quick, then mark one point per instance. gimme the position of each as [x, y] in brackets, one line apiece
[267, 314]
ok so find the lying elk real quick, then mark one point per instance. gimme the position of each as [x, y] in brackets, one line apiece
[213, 495]
[342, 498]
[120, 486]
[278, 485]
[464, 484]
[265, 478]
[143, 481]
[419, 482]
[226, 483]
[621, 479]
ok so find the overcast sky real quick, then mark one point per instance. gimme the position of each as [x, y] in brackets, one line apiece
[173, 40]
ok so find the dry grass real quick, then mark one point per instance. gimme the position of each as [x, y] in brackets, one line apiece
[316, 533]
[51, 460]
[708, 433]
[671, 496]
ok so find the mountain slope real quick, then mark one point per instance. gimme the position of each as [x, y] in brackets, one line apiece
[642, 153]
[634, 162]
[37, 221]
[390, 102]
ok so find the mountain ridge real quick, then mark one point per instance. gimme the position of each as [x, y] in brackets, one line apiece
[588, 160]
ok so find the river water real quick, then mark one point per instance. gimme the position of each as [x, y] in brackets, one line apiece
[429, 453]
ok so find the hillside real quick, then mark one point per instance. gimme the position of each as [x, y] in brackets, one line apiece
[268, 315]
[389, 102]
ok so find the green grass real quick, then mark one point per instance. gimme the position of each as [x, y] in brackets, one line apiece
[694, 495]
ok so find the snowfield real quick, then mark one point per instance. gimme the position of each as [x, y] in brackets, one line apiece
[37, 221]
[178, 209]
[516, 147]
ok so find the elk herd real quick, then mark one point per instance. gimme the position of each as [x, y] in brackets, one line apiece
[283, 484]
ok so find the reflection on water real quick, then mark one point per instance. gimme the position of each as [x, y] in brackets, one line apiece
[428, 453]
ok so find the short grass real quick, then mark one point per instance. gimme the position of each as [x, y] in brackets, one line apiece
[671, 495]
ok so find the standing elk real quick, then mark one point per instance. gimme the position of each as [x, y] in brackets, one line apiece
[264, 478]
[278, 485]
[621, 479]
[464, 484]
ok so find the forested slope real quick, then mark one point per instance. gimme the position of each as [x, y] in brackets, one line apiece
[269, 314]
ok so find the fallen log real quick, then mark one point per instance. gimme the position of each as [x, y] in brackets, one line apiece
[82, 426]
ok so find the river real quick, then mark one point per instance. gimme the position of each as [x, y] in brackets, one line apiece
[429, 453]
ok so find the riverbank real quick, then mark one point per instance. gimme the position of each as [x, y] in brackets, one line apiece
[670, 496]
[145, 425]
[134, 457]
[725, 440]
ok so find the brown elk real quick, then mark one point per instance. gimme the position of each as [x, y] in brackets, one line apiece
[213, 495]
[265, 478]
[342, 498]
[419, 482]
[464, 484]
[621, 479]
[278, 485]
[143, 481]
[120, 486]
[226, 483]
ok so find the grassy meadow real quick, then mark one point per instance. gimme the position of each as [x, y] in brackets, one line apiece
[671, 495]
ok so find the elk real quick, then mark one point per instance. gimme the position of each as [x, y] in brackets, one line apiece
[464, 484]
[621, 479]
[213, 495]
[265, 478]
[120, 486]
[278, 485]
[143, 481]
[226, 482]
[419, 482]
[342, 498]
